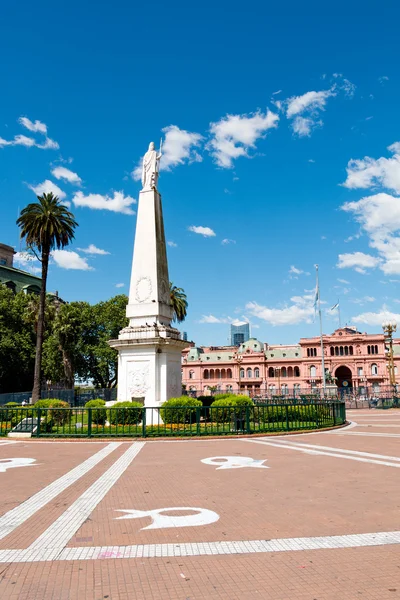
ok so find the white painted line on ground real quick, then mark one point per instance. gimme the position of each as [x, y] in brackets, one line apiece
[345, 451]
[377, 425]
[368, 433]
[323, 453]
[207, 548]
[56, 537]
[18, 515]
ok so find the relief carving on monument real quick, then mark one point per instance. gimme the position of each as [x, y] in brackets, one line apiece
[138, 379]
[143, 289]
[174, 387]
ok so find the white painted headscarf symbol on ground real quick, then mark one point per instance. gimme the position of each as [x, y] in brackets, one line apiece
[234, 462]
[12, 463]
[202, 516]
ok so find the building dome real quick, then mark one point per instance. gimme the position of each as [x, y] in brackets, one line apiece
[252, 344]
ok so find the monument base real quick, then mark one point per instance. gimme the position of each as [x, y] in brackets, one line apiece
[149, 366]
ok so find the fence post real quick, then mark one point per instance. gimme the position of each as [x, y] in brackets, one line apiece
[143, 422]
[89, 422]
[38, 422]
[334, 413]
[197, 420]
[287, 417]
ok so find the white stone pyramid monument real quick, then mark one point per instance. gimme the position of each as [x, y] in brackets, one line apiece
[149, 363]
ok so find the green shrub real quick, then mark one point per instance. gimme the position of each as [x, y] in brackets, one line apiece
[223, 396]
[179, 410]
[56, 413]
[224, 410]
[99, 411]
[13, 413]
[126, 413]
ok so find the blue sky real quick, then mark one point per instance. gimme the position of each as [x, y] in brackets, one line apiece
[281, 137]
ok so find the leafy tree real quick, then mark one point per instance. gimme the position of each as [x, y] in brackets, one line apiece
[46, 225]
[179, 302]
[17, 342]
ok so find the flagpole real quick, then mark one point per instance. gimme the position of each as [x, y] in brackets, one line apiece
[340, 321]
[320, 332]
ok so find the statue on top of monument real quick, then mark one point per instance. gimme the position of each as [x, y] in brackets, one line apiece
[151, 167]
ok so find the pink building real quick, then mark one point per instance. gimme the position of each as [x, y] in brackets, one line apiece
[357, 361]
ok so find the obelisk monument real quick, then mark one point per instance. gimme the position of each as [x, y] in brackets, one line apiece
[149, 362]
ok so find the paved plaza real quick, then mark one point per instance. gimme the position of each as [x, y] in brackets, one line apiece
[311, 516]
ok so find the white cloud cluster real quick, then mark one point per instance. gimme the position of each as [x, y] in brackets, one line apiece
[205, 231]
[67, 175]
[304, 110]
[376, 319]
[27, 262]
[235, 135]
[227, 241]
[28, 142]
[359, 261]
[47, 187]
[301, 310]
[367, 172]
[67, 259]
[210, 319]
[92, 249]
[117, 203]
[172, 244]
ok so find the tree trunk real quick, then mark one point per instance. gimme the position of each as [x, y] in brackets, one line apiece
[37, 377]
[68, 370]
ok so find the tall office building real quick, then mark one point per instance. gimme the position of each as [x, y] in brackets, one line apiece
[240, 333]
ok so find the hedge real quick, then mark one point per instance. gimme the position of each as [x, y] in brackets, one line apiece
[126, 413]
[179, 410]
[99, 411]
[56, 415]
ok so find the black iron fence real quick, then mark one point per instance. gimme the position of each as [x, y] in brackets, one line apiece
[76, 397]
[139, 421]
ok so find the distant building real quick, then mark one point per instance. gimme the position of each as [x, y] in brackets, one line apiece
[184, 336]
[356, 360]
[240, 333]
[15, 279]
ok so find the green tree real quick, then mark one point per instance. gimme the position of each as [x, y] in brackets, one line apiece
[17, 342]
[179, 302]
[45, 225]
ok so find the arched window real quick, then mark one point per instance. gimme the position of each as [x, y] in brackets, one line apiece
[374, 369]
[337, 351]
[332, 351]
[296, 388]
[191, 374]
[11, 286]
[229, 373]
[315, 352]
[341, 351]
[296, 372]
[290, 372]
[283, 372]
[206, 374]
[218, 374]
[223, 373]
[313, 371]
[212, 375]
[272, 389]
[351, 350]
[249, 373]
[284, 389]
[369, 349]
[241, 373]
[346, 350]
[376, 349]
[257, 372]
[271, 372]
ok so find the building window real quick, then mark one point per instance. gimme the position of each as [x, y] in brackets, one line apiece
[313, 371]
[284, 389]
[229, 388]
[241, 373]
[360, 371]
[374, 369]
[290, 372]
[256, 372]
[206, 374]
[249, 373]
[229, 373]
[283, 372]
[351, 350]
[296, 372]
[332, 351]
[271, 372]
[395, 370]
[191, 374]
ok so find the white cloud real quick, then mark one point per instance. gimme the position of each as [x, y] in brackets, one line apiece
[277, 92]
[377, 318]
[235, 135]
[210, 319]
[119, 285]
[358, 261]
[367, 172]
[36, 126]
[49, 144]
[67, 259]
[383, 79]
[363, 300]
[27, 262]
[300, 311]
[47, 187]
[303, 126]
[23, 140]
[172, 244]
[63, 173]
[117, 203]
[344, 281]
[295, 271]
[92, 249]
[227, 241]
[206, 231]
[179, 147]
[310, 101]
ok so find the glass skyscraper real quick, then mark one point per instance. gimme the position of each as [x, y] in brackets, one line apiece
[240, 333]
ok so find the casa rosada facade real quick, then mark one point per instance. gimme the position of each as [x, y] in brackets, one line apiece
[356, 360]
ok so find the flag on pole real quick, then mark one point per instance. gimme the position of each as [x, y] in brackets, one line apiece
[335, 306]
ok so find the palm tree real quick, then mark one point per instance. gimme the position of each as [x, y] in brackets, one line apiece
[46, 224]
[178, 302]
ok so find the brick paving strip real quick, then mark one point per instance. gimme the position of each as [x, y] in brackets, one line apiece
[18, 515]
[202, 548]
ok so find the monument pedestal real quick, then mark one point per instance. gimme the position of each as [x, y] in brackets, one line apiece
[149, 366]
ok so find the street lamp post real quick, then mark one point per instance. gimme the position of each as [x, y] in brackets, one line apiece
[389, 327]
[238, 358]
